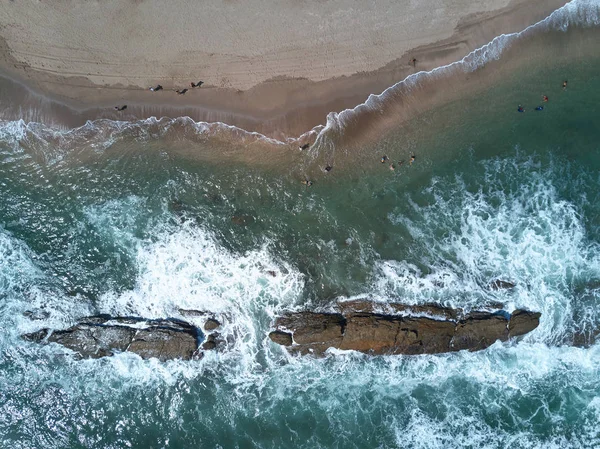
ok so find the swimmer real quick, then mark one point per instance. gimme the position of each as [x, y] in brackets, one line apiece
[400, 163]
[539, 108]
[545, 98]
[392, 167]
[307, 183]
[383, 159]
[412, 159]
[564, 84]
[521, 109]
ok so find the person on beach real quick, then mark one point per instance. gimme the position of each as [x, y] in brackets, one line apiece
[198, 84]
[157, 88]
[412, 159]
[414, 62]
[521, 109]
[565, 85]
[306, 146]
[545, 98]
[181, 92]
[384, 159]
[121, 108]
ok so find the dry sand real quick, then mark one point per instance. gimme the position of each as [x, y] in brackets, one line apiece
[272, 67]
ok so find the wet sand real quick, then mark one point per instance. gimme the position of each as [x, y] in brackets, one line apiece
[279, 77]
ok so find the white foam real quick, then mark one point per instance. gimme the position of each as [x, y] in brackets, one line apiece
[526, 234]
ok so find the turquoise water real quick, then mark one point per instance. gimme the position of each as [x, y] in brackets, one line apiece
[134, 220]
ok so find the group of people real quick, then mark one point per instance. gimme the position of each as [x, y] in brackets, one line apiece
[385, 159]
[159, 87]
[544, 99]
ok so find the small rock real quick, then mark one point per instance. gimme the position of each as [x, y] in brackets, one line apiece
[242, 220]
[211, 324]
[499, 284]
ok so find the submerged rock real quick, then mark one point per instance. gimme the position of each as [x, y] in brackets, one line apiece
[101, 336]
[359, 327]
[499, 284]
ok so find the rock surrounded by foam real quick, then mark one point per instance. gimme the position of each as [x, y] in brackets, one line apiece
[100, 336]
[420, 330]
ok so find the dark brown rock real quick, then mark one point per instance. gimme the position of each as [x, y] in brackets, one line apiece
[101, 336]
[384, 334]
[424, 336]
[211, 324]
[360, 329]
[163, 344]
[479, 330]
[432, 310]
[281, 338]
[522, 322]
[370, 333]
[309, 327]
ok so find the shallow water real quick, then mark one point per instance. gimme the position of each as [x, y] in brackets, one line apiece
[139, 219]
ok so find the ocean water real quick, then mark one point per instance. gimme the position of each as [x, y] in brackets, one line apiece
[138, 219]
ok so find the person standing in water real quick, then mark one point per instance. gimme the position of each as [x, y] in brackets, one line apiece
[545, 98]
[565, 85]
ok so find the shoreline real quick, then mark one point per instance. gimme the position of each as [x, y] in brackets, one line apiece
[277, 108]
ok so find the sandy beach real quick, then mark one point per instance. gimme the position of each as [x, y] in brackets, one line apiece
[275, 68]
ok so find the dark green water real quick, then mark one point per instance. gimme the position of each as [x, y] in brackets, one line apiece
[103, 219]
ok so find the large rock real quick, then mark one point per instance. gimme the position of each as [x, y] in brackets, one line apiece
[101, 336]
[386, 334]
[479, 330]
[425, 329]
[312, 332]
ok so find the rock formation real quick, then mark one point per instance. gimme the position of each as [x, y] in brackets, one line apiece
[100, 336]
[427, 329]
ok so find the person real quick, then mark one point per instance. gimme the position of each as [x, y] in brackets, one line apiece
[121, 108]
[306, 146]
[181, 92]
[545, 98]
[392, 166]
[414, 62]
[157, 88]
[328, 168]
[400, 163]
[539, 108]
[198, 84]
[412, 159]
[307, 183]
[564, 84]
[383, 159]
[521, 109]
